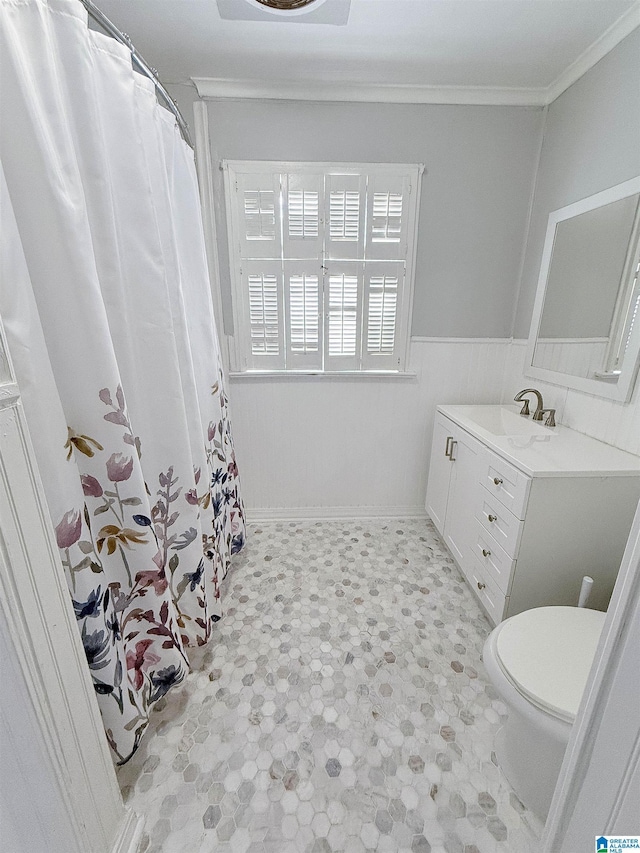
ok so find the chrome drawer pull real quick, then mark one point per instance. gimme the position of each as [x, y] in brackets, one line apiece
[481, 585]
[447, 449]
[486, 553]
[492, 517]
[497, 481]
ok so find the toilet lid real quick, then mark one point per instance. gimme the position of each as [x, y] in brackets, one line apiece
[547, 653]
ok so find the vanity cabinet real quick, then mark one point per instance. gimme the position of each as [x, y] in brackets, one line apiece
[525, 534]
[453, 475]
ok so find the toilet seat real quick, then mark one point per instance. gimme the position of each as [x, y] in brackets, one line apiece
[546, 654]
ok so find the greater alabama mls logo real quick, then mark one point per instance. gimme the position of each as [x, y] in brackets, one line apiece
[617, 843]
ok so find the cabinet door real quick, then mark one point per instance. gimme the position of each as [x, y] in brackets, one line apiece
[439, 471]
[463, 489]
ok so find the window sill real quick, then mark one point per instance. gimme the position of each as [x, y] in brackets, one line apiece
[320, 374]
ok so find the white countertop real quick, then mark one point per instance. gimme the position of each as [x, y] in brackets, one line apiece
[557, 452]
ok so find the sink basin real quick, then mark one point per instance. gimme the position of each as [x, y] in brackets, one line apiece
[500, 420]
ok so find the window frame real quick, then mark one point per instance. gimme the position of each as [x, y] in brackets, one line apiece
[234, 172]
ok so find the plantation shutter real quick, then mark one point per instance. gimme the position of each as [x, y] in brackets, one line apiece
[322, 263]
[259, 226]
[345, 204]
[634, 312]
[383, 288]
[343, 315]
[387, 216]
[303, 215]
[304, 302]
[262, 289]
[627, 323]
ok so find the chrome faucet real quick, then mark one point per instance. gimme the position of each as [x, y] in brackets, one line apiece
[539, 412]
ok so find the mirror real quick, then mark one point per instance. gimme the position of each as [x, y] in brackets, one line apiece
[585, 331]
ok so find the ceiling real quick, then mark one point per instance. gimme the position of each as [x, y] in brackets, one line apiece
[530, 49]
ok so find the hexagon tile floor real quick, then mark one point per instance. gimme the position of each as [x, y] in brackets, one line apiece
[342, 707]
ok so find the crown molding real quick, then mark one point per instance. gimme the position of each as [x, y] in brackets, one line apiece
[312, 90]
[619, 30]
[213, 88]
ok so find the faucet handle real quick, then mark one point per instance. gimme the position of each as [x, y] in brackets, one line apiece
[551, 420]
[525, 409]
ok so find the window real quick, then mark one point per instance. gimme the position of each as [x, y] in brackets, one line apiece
[626, 320]
[322, 264]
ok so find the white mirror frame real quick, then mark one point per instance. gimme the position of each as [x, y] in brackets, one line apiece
[622, 388]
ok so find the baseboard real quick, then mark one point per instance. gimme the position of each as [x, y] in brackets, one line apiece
[130, 835]
[332, 513]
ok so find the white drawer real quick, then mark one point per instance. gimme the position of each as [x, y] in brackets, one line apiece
[506, 483]
[490, 595]
[496, 563]
[499, 522]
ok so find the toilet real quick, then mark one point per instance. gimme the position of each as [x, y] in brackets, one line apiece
[538, 662]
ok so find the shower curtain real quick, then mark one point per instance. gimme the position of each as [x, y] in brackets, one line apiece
[105, 302]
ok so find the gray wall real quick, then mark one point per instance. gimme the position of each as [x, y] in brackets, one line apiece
[479, 167]
[184, 94]
[591, 142]
[589, 252]
[480, 164]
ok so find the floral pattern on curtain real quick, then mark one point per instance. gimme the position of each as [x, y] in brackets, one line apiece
[106, 306]
[115, 526]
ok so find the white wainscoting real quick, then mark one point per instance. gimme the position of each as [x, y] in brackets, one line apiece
[612, 422]
[329, 447]
[576, 356]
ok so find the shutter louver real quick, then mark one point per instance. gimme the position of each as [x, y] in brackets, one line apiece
[262, 286]
[387, 216]
[303, 214]
[344, 215]
[382, 303]
[343, 307]
[386, 226]
[263, 314]
[258, 215]
[303, 230]
[303, 313]
[343, 314]
[303, 287]
[381, 320]
[345, 197]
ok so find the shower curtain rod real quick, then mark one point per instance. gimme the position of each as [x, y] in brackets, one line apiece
[124, 39]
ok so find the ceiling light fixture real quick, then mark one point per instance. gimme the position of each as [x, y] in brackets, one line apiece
[285, 5]
[286, 11]
[288, 8]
